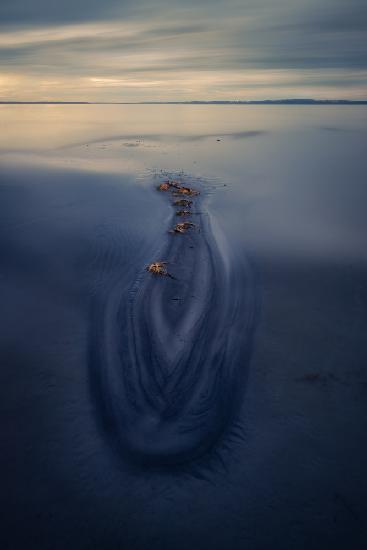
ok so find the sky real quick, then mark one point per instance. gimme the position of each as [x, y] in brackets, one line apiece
[160, 50]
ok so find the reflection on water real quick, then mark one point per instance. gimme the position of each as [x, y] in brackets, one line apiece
[40, 127]
[294, 175]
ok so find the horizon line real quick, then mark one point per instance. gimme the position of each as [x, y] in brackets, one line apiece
[285, 101]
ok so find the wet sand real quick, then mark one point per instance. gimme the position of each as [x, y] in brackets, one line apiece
[170, 362]
[284, 467]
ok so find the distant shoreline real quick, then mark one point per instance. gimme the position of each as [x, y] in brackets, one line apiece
[254, 102]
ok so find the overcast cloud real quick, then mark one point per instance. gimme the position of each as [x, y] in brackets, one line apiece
[160, 50]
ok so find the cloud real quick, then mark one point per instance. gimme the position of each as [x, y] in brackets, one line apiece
[161, 50]
[47, 11]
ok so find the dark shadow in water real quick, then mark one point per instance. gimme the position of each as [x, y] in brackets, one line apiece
[140, 138]
[335, 129]
[232, 135]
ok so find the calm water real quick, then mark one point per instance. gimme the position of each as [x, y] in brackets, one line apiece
[288, 195]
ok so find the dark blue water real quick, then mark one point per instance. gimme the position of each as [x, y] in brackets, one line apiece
[284, 194]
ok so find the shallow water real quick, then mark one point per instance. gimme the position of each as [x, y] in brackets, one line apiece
[286, 197]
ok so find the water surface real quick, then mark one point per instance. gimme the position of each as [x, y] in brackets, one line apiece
[80, 216]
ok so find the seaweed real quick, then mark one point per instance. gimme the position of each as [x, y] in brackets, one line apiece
[183, 213]
[182, 227]
[159, 268]
[183, 202]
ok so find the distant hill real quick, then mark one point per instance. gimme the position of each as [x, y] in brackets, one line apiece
[265, 102]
